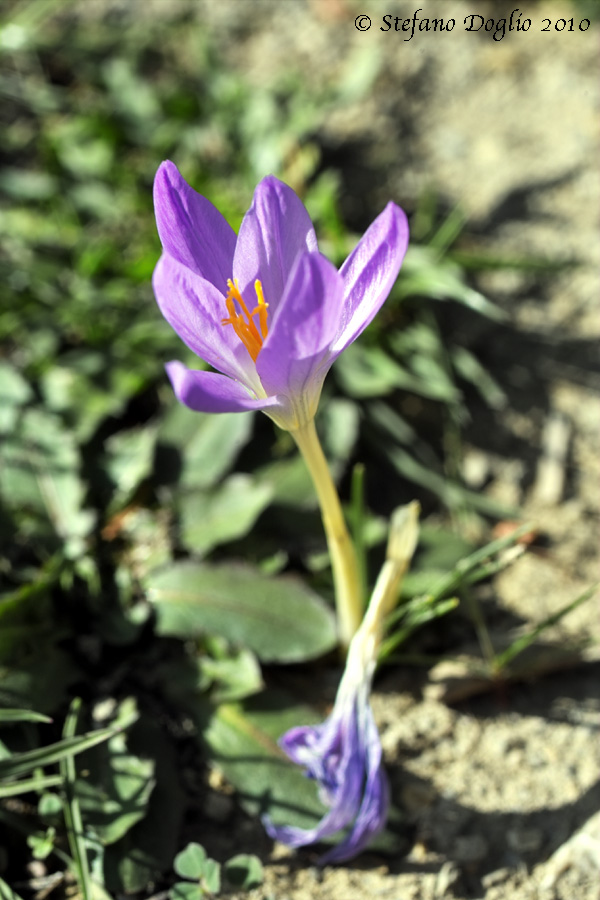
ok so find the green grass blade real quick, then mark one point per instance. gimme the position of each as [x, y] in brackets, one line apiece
[40, 783]
[468, 568]
[521, 644]
[7, 893]
[72, 810]
[22, 715]
[21, 763]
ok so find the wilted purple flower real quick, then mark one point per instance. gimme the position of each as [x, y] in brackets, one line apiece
[344, 756]
[264, 308]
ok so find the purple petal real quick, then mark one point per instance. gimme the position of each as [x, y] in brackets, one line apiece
[191, 229]
[210, 392]
[370, 271]
[372, 814]
[195, 308]
[344, 756]
[295, 354]
[274, 231]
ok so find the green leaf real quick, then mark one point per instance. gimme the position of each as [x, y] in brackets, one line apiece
[424, 274]
[22, 715]
[148, 848]
[522, 643]
[115, 793]
[39, 474]
[38, 783]
[244, 871]
[229, 512]
[211, 876]
[190, 862]
[242, 741]
[21, 763]
[130, 458]
[208, 444]
[186, 890]
[280, 619]
[14, 392]
[234, 676]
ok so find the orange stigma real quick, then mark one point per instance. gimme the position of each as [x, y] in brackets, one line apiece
[245, 327]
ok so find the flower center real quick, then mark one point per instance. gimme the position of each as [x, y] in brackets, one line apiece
[243, 323]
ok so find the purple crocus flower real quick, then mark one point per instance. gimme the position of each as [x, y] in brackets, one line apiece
[344, 756]
[264, 308]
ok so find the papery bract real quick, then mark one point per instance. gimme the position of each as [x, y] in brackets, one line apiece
[264, 308]
[344, 756]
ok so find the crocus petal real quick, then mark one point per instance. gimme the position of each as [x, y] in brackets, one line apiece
[344, 756]
[194, 308]
[274, 231]
[212, 393]
[370, 271]
[372, 814]
[191, 229]
[295, 354]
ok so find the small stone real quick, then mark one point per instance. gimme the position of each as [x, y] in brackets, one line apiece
[448, 877]
[498, 876]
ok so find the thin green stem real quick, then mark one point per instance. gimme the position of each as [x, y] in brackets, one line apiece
[346, 574]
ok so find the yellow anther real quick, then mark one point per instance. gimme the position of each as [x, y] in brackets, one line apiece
[245, 328]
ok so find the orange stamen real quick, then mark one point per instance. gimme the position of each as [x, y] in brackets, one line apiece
[245, 328]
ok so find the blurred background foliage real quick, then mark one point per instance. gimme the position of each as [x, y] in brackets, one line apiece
[124, 519]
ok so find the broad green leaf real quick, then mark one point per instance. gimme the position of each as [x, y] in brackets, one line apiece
[189, 863]
[233, 677]
[130, 455]
[290, 482]
[225, 514]
[340, 423]
[186, 890]
[244, 871]
[14, 392]
[211, 876]
[208, 444]
[280, 619]
[242, 741]
[39, 473]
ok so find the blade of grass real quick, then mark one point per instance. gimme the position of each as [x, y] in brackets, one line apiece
[6, 892]
[29, 784]
[71, 808]
[417, 612]
[21, 763]
[521, 644]
[467, 568]
[22, 715]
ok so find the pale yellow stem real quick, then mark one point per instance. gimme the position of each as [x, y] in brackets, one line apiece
[403, 536]
[346, 578]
